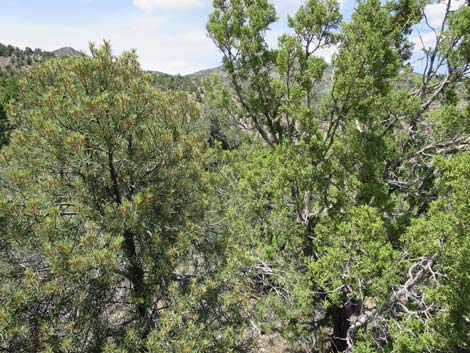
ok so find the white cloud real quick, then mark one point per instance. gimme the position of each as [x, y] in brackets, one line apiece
[435, 12]
[285, 7]
[327, 53]
[165, 39]
[150, 5]
[424, 34]
[424, 41]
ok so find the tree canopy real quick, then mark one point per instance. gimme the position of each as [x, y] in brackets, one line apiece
[291, 204]
[341, 177]
[102, 210]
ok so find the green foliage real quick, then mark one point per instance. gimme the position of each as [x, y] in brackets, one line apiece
[329, 209]
[359, 247]
[8, 91]
[333, 192]
[165, 82]
[19, 59]
[104, 246]
[443, 232]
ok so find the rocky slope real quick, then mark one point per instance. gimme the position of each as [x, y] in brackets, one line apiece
[13, 59]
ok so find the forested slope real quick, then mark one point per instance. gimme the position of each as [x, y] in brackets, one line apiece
[281, 205]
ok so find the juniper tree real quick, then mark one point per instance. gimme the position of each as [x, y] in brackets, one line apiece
[341, 178]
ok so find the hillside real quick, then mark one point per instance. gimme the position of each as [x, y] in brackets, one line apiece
[13, 59]
[276, 204]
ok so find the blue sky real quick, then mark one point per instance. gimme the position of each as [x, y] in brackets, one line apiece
[169, 35]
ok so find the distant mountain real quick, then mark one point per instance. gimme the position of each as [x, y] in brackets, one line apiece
[321, 87]
[206, 72]
[65, 52]
[13, 59]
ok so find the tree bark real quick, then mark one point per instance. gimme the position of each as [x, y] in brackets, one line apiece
[340, 316]
[136, 273]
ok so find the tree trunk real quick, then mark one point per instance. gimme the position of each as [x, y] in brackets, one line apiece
[340, 318]
[136, 274]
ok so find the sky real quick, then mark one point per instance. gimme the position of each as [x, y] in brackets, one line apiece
[169, 35]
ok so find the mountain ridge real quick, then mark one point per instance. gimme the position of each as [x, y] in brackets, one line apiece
[13, 58]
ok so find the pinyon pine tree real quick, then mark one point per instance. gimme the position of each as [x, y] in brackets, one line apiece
[103, 243]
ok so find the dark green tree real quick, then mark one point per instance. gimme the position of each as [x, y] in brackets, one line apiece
[104, 246]
[344, 169]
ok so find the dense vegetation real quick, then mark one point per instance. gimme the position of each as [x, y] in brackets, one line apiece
[16, 58]
[267, 210]
[8, 92]
[166, 82]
